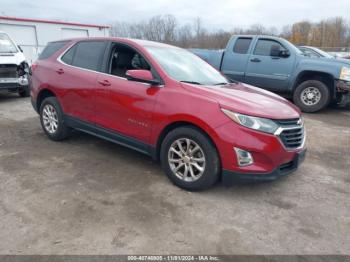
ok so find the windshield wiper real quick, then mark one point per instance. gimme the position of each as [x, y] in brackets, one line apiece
[191, 82]
[221, 84]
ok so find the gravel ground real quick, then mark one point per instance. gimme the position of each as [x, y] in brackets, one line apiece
[89, 196]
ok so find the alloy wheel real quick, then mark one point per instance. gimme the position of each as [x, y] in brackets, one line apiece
[186, 159]
[50, 119]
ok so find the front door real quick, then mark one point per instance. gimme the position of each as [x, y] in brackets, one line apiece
[266, 71]
[124, 106]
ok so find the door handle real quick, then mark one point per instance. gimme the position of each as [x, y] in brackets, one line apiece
[255, 60]
[104, 82]
[60, 71]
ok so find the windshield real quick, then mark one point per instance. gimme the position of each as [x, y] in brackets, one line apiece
[292, 46]
[184, 66]
[315, 52]
[323, 53]
[6, 45]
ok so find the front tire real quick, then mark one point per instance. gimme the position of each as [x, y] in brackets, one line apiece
[189, 159]
[311, 96]
[52, 120]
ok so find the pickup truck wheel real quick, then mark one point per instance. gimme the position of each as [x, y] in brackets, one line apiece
[24, 91]
[51, 118]
[189, 159]
[311, 96]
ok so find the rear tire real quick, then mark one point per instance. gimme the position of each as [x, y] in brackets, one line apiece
[311, 96]
[24, 91]
[52, 119]
[187, 148]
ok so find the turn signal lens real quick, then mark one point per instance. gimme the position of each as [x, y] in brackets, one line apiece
[244, 158]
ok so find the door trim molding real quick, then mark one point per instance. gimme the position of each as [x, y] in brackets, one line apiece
[110, 135]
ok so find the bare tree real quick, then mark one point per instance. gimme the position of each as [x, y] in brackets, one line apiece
[185, 36]
[332, 32]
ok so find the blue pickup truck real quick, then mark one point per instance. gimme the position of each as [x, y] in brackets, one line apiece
[277, 65]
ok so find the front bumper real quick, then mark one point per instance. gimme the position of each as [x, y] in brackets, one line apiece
[231, 177]
[9, 83]
[271, 158]
[342, 86]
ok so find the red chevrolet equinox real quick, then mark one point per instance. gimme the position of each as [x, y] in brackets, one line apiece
[165, 102]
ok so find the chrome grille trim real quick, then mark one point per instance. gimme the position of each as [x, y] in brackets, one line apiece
[291, 133]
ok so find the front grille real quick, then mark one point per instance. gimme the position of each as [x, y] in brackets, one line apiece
[292, 133]
[8, 71]
[288, 122]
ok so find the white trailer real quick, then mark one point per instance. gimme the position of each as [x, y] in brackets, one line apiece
[33, 34]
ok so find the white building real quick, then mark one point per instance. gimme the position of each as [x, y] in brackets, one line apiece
[33, 34]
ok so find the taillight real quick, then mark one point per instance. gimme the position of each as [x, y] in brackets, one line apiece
[32, 68]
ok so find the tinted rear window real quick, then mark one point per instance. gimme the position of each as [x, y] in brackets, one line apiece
[86, 55]
[51, 48]
[242, 45]
[69, 55]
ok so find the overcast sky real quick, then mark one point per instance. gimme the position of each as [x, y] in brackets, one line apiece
[216, 14]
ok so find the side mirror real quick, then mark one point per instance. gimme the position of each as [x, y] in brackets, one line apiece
[284, 53]
[20, 48]
[140, 75]
[276, 51]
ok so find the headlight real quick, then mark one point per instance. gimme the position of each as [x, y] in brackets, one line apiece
[345, 74]
[256, 123]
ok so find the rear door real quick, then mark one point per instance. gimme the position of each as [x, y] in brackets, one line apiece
[236, 58]
[266, 71]
[76, 76]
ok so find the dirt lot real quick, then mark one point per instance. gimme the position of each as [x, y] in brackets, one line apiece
[89, 196]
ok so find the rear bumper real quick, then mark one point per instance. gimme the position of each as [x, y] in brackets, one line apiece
[231, 177]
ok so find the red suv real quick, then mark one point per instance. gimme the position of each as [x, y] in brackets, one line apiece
[167, 103]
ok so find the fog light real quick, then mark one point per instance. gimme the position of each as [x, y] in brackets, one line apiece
[244, 158]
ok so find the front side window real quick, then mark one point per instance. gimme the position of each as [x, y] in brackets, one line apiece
[87, 54]
[265, 46]
[242, 45]
[124, 58]
[184, 66]
[6, 45]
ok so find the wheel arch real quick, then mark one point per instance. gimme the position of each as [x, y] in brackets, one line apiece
[207, 131]
[44, 93]
[324, 77]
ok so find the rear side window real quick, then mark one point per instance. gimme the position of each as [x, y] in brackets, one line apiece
[264, 47]
[51, 48]
[86, 55]
[242, 45]
[69, 55]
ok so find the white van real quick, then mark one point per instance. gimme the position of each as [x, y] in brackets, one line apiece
[13, 67]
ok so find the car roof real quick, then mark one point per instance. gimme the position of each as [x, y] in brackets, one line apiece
[260, 36]
[144, 43]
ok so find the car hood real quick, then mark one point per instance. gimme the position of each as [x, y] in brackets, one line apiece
[249, 100]
[327, 61]
[11, 58]
[343, 61]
